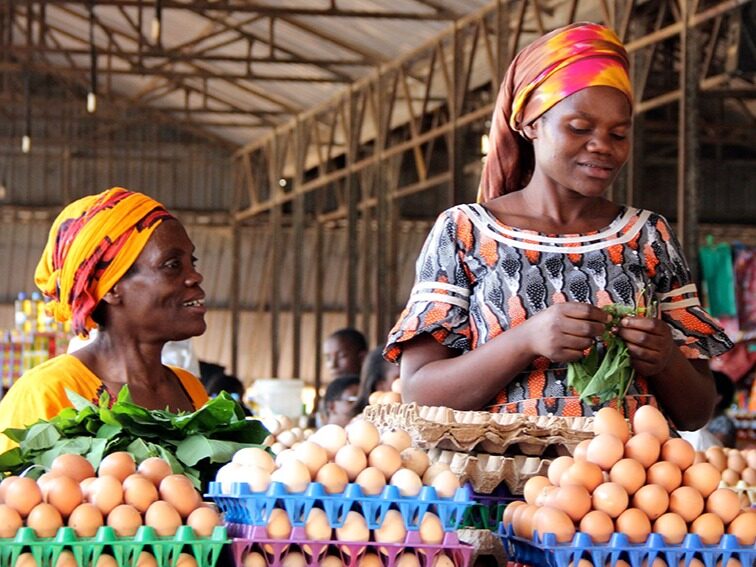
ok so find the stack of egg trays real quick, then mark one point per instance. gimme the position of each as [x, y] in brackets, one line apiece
[242, 506]
[125, 550]
[487, 509]
[248, 538]
[547, 551]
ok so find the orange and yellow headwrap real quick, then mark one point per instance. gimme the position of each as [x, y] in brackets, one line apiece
[546, 72]
[92, 243]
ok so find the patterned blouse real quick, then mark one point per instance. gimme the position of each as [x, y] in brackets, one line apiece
[477, 277]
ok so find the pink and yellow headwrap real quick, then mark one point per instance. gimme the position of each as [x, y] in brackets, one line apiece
[92, 243]
[547, 71]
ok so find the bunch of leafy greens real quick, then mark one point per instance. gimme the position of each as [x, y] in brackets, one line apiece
[610, 378]
[195, 444]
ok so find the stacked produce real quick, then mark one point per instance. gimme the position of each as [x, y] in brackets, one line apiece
[621, 493]
[738, 470]
[283, 433]
[348, 496]
[122, 504]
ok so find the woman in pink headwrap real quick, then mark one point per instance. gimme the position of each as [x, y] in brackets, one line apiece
[509, 290]
[118, 261]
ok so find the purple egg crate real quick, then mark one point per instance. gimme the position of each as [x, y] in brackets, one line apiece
[547, 551]
[247, 538]
[486, 511]
[242, 506]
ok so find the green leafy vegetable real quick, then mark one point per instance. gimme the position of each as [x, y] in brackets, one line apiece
[195, 444]
[609, 378]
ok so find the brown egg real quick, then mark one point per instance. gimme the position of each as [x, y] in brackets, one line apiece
[629, 474]
[408, 483]
[254, 559]
[446, 484]
[557, 467]
[22, 494]
[687, 502]
[397, 438]
[203, 521]
[550, 520]
[279, 525]
[363, 434]
[671, 527]
[85, 485]
[604, 450]
[548, 492]
[575, 501]
[749, 476]
[581, 450]
[317, 526]
[64, 493]
[333, 478]
[10, 521]
[146, 559]
[730, 477]
[4, 484]
[415, 460]
[509, 511]
[598, 525]
[139, 492]
[66, 559]
[678, 452]
[533, 487]
[700, 458]
[665, 474]
[634, 524]
[648, 419]
[178, 491]
[353, 460]
[709, 528]
[106, 493]
[743, 527]
[125, 520]
[724, 503]
[74, 466]
[433, 470]
[371, 481]
[392, 529]
[85, 520]
[716, 456]
[44, 519]
[522, 520]
[311, 455]
[155, 468]
[119, 464]
[163, 518]
[704, 477]
[643, 447]
[582, 473]
[652, 499]
[26, 560]
[293, 474]
[106, 560]
[186, 560]
[407, 559]
[386, 459]
[611, 498]
[43, 481]
[609, 420]
[354, 528]
[431, 529]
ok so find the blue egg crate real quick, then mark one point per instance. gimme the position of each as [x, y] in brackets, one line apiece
[242, 506]
[546, 551]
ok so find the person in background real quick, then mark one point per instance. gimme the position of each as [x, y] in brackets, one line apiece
[343, 351]
[339, 398]
[377, 375]
[210, 371]
[229, 384]
[510, 290]
[117, 261]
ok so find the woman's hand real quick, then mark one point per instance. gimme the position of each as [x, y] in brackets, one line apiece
[649, 342]
[563, 331]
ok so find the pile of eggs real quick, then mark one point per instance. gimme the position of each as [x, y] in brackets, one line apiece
[335, 456]
[636, 485]
[736, 466]
[394, 396]
[120, 495]
[368, 559]
[284, 433]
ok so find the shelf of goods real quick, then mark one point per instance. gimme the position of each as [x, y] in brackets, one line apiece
[20, 351]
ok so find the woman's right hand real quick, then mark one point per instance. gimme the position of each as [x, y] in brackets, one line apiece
[564, 330]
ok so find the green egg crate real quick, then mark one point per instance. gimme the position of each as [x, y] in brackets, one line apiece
[125, 550]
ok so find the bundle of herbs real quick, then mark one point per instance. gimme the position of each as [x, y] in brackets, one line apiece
[610, 377]
[194, 443]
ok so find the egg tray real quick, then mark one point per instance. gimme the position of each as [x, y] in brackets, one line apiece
[487, 472]
[247, 538]
[125, 550]
[548, 552]
[243, 506]
[487, 510]
[487, 432]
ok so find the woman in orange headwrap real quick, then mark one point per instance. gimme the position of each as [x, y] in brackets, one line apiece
[516, 283]
[120, 262]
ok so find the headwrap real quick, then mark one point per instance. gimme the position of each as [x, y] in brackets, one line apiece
[546, 72]
[92, 243]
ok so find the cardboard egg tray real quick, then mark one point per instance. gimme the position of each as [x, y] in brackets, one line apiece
[486, 472]
[486, 432]
[246, 538]
[243, 506]
[547, 551]
[125, 550]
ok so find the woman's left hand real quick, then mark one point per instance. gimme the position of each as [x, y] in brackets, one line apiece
[649, 342]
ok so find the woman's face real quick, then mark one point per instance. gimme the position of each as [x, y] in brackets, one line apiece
[582, 142]
[161, 291]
